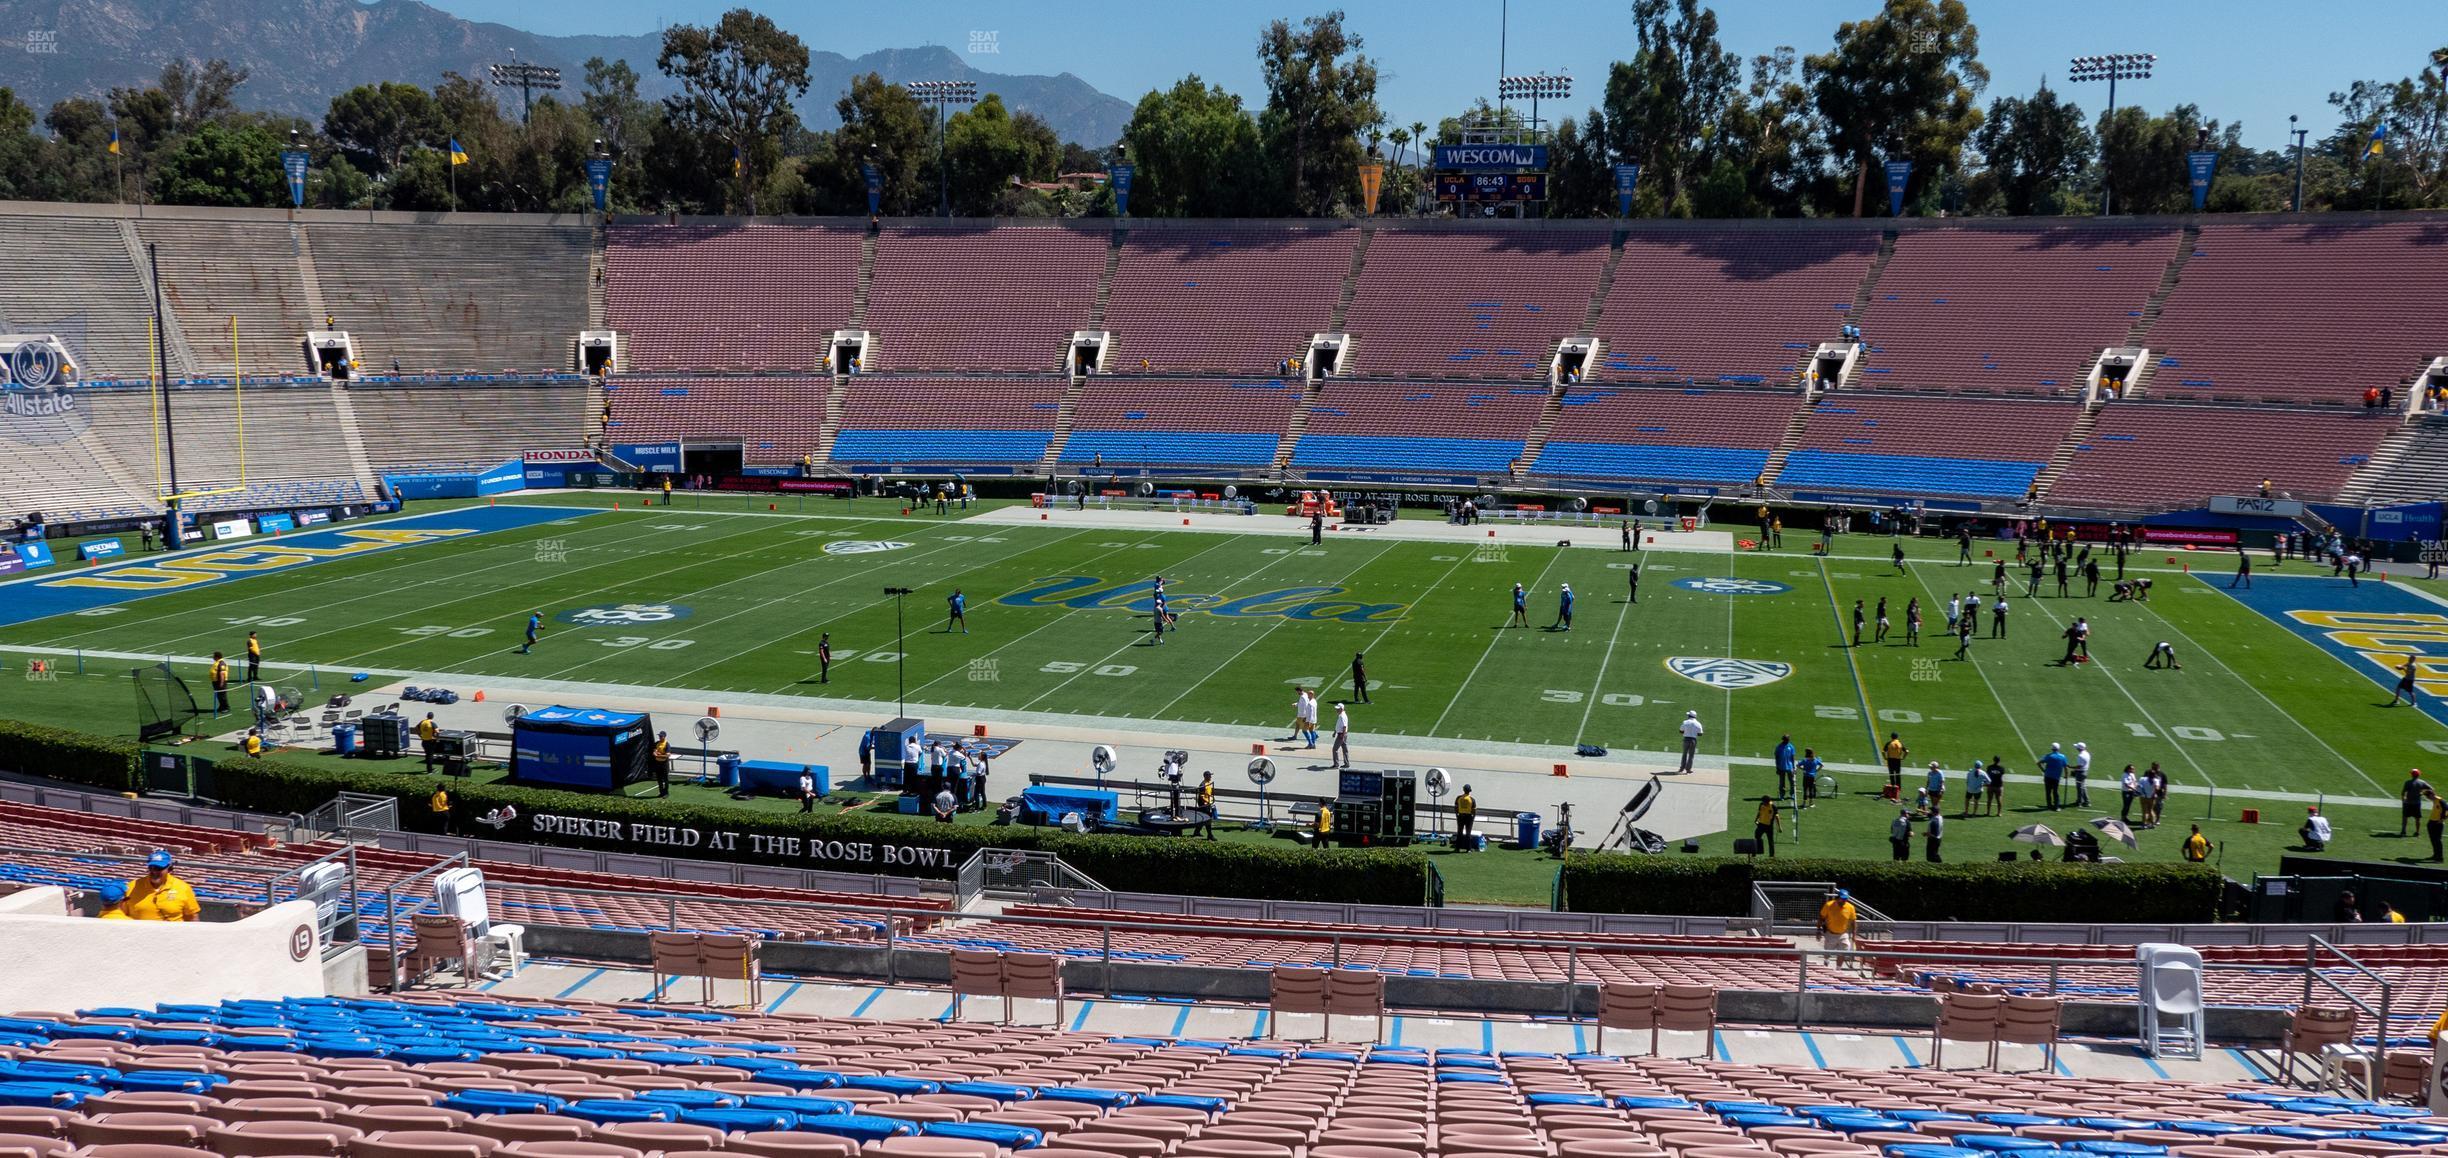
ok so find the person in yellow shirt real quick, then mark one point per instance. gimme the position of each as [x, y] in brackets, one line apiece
[1763, 825]
[2395, 917]
[160, 895]
[114, 896]
[220, 684]
[1466, 814]
[2197, 846]
[2435, 819]
[440, 805]
[426, 731]
[254, 743]
[254, 656]
[1836, 918]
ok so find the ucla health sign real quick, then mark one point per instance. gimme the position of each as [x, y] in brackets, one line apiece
[1490, 158]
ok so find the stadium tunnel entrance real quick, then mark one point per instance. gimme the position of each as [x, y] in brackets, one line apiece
[718, 459]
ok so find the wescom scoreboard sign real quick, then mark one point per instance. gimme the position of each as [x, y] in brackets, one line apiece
[1491, 188]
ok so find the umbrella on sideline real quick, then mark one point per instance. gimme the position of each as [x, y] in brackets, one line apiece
[2115, 830]
[2038, 834]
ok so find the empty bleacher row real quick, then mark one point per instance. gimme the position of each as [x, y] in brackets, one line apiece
[2302, 312]
[486, 297]
[2011, 311]
[1717, 437]
[894, 422]
[2148, 455]
[775, 419]
[1225, 301]
[1903, 444]
[1180, 423]
[1728, 306]
[229, 279]
[1405, 426]
[1482, 305]
[754, 297]
[410, 426]
[474, 1075]
[981, 298]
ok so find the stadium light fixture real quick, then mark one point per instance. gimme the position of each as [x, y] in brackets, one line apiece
[526, 78]
[2296, 206]
[2112, 68]
[1533, 88]
[942, 95]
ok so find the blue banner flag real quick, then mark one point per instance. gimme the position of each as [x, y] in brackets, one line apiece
[1121, 174]
[599, 180]
[1898, 172]
[2198, 168]
[875, 189]
[1626, 176]
[293, 162]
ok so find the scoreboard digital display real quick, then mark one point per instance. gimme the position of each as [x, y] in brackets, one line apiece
[1491, 188]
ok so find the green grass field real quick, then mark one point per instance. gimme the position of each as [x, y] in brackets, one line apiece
[2259, 713]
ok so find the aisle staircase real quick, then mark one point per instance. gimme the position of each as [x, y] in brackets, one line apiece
[352, 439]
[1062, 425]
[2138, 334]
[1785, 446]
[1299, 424]
[1537, 442]
[2062, 459]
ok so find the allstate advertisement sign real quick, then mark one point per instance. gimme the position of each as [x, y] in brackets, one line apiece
[1490, 158]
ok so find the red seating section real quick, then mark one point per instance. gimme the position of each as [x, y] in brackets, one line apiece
[1414, 410]
[776, 420]
[1455, 304]
[2314, 313]
[1854, 422]
[1261, 406]
[925, 403]
[755, 297]
[1734, 419]
[1745, 305]
[2009, 310]
[2144, 454]
[981, 298]
[1224, 300]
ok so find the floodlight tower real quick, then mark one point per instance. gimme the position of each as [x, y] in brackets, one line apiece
[1552, 87]
[2112, 68]
[942, 95]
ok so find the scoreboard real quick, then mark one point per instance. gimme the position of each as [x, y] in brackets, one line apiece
[1491, 188]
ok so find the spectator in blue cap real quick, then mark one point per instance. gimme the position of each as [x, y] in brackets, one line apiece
[114, 902]
[160, 895]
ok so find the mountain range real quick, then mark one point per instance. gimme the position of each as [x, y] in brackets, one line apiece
[301, 53]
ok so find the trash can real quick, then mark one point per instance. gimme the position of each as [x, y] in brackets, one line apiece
[344, 739]
[1525, 830]
[727, 768]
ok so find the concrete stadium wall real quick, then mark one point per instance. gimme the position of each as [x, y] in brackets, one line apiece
[51, 959]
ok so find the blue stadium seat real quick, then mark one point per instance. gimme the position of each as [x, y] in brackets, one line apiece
[1602, 460]
[1169, 448]
[920, 447]
[1809, 469]
[1408, 455]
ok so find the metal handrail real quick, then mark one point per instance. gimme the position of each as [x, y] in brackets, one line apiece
[2312, 973]
[1802, 957]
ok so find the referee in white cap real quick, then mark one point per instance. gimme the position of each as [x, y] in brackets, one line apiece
[1691, 739]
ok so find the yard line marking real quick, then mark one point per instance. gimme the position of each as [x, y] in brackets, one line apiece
[1065, 617]
[1494, 638]
[614, 586]
[1587, 706]
[2351, 766]
[878, 601]
[1134, 640]
[2147, 717]
[412, 556]
[1986, 685]
[1386, 549]
[1861, 695]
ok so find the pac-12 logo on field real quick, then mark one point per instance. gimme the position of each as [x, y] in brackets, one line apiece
[1729, 674]
[624, 615]
[862, 546]
[1729, 585]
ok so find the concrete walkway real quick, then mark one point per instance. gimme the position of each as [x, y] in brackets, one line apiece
[1176, 1018]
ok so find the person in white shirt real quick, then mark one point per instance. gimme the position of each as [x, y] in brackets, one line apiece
[1300, 701]
[2082, 775]
[2315, 830]
[807, 792]
[1342, 740]
[1691, 739]
[1308, 716]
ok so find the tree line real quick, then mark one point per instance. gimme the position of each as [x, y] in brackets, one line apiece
[1783, 134]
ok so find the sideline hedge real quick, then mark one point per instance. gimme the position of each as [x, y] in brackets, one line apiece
[1139, 864]
[1909, 891]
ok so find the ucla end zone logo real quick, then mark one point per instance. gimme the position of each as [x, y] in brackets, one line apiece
[862, 546]
[1729, 585]
[1732, 675]
[624, 615]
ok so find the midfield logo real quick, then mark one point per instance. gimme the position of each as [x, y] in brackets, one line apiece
[1729, 585]
[862, 546]
[1728, 674]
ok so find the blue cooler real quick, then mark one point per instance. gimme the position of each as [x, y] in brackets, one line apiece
[727, 766]
[1526, 830]
[344, 739]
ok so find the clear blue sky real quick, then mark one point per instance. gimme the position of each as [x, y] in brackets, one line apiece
[2251, 60]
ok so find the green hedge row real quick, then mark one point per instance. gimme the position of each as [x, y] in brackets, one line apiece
[662, 827]
[79, 758]
[1905, 891]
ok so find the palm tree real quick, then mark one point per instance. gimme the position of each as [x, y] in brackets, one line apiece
[1401, 137]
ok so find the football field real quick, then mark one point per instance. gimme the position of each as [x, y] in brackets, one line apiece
[2280, 693]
